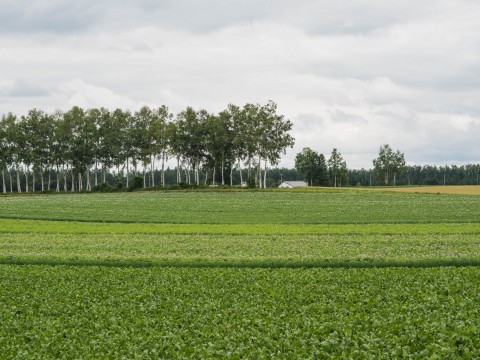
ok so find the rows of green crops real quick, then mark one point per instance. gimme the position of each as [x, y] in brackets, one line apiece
[331, 274]
[106, 228]
[240, 250]
[246, 207]
[98, 312]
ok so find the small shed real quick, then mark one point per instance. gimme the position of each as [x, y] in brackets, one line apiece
[292, 184]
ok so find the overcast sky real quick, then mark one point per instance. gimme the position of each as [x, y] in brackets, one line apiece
[349, 74]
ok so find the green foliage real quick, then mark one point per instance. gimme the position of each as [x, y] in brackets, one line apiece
[251, 183]
[131, 248]
[275, 207]
[137, 183]
[389, 163]
[312, 166]
[102, 188]
[99, 312]
[337, 168]
[244, 274]
[81, 141]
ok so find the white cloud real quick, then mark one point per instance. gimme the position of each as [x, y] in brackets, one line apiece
[78, 93]
[351, 75]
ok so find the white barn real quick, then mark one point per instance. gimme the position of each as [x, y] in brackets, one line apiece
[292, 184]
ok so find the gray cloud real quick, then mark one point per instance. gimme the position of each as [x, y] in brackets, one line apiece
[340, 116]
[22, 88]
[308, 122]
[351, 75]
[59, 16]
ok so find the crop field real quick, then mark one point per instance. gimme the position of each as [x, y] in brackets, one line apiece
[281, 274]
[437, 189]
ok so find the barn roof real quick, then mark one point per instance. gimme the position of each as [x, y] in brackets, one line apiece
[295, 183]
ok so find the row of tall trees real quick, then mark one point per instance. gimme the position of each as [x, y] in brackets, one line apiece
[48, 148]
[318, 171]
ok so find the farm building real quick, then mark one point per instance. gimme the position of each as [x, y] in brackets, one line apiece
[292, 184]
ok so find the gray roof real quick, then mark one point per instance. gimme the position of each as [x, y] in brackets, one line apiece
[295, 183]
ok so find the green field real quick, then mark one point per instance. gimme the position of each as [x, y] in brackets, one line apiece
[315, 274]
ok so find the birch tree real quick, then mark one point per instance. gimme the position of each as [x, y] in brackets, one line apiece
[161, 132]
[337, 167]
[388, 163]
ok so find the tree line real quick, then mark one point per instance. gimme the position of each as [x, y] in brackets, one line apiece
[76, 150]
[318, 171]
[389, 168]
[420, 175]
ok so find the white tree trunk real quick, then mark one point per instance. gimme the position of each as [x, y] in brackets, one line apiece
[41, 180]
[153, 171]
[89, 186]
[223, 165]
[127, 172]
[265, 175]
[65, 189]
[197, 173]
[26, 180]
[179, 175]
[73, 181]
[96, 172]
[58, 180]
[19, 185]
[163, 170]
[11, 181]
[240, 169]
[259, 172]
[3, 181]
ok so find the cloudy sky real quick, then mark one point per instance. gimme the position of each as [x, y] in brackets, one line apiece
[349, 74]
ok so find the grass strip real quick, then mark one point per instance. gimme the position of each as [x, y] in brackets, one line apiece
[80, 227]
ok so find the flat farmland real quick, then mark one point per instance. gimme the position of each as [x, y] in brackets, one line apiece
[270, 207]
[280, 274]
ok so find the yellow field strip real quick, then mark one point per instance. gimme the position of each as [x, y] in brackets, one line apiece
[438, 189]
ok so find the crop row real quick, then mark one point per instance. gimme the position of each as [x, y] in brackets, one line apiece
[90, 227]
[58, 312]
[234, 250]
[246, 207]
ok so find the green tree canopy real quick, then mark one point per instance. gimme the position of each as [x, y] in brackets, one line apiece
[337, 167]
[312, 166]
[388, 163]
